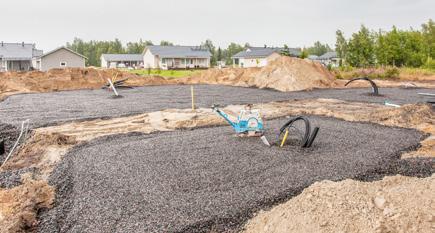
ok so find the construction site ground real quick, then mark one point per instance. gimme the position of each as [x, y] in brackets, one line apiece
[207, 179]
[148, 163]
[56, 107]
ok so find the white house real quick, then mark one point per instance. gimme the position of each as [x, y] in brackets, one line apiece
[176, 57]
[121, 60]
[17, 56]
[260, 56]
[329, 58]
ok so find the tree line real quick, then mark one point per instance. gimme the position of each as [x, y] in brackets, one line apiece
[367, 48]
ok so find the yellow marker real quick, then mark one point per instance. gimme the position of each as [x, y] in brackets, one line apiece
[285, 138]
[193, 98]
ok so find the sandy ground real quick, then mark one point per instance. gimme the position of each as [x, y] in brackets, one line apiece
[394, 204]
[68, 79]
[47, 145]
[19, 205]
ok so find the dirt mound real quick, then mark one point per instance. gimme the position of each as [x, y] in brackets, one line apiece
[395, 204]
[68, 79]
[19, 205]
[283, 74]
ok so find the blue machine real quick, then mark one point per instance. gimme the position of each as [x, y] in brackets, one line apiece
[248, 122]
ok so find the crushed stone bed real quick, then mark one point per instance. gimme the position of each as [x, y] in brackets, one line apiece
[207, 179]
[57, 107]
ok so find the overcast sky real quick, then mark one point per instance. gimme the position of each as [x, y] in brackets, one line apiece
[298, 23]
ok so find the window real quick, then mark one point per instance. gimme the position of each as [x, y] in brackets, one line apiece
[62, 64]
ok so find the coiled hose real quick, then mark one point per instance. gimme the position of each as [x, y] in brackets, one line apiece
[308, 138]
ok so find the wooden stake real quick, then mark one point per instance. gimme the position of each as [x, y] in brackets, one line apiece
[193, 98]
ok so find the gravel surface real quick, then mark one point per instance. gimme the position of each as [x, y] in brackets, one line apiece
[55, 107]
[10, 179]
[207, 179]
[9, 135]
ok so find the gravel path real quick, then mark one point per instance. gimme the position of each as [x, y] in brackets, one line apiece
[207, 179]
[56, 107]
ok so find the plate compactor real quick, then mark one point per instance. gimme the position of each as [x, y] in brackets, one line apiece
[248, 123]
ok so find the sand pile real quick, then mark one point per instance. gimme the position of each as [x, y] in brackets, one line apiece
[19, 205]
[283, 74]
[394, 204]
[67, 79]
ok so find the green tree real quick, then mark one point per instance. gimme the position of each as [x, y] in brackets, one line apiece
[304, 54]
[137, 47]
[428, 32]
[232, 49]
[219, 54]
[318, 49]
[341, 46]
[208, 44]
[166, 43]
[361, 48]
[285, 51]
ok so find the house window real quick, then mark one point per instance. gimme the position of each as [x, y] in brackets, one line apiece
[163, 61]
[62, 64]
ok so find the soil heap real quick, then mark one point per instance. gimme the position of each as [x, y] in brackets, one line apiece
[283, 74]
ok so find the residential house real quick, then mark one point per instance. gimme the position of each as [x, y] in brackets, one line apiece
[260, 56]
[176, 57]
[329, 58]
[17, 56]
[121, 60]
[59, 58]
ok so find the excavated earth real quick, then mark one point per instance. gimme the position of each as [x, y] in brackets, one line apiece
[208, 180]
[56, 107]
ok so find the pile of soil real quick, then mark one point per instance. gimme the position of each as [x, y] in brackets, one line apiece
[394, 204]
[68, 79]
[283, 74]
[19, 205]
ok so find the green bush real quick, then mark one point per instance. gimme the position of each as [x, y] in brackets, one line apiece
[391, 72]
[429, 64]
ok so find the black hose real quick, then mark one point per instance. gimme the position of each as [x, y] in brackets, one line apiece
[2, 147]
[313, 136]
[307, 128]
[374, 86]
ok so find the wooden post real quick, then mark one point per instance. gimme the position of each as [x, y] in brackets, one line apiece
[193, 98]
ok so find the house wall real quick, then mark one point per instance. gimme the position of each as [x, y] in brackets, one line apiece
[150, 61]
[252, 62]
[258, 61]
[17, 65]
[104, 63]
[182, 63]
[53, 60]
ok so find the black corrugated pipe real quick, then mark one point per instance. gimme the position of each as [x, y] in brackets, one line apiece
[2, 147]
[309, 137]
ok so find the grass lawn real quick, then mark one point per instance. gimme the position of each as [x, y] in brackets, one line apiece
[165, 73]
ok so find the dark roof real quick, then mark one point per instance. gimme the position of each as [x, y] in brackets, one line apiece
[254, 52]
[16, 51]
[179, 51]
[122, 57]
[328, 55]
[65, 48]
